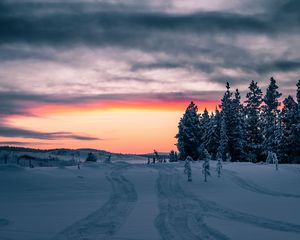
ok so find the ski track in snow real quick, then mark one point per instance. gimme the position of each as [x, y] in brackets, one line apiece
[182, 214]
[255, 188]
[106, 221]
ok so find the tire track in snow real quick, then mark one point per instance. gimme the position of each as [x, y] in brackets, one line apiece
[182, 214]
[106, 221]
[255, 188]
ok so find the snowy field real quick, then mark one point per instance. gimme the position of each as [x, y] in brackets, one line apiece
[137, 201]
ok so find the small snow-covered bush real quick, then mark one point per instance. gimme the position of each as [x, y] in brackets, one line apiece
[187, 168]
[205, 165]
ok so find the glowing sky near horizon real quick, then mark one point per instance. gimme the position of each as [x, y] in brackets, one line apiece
[118, 75]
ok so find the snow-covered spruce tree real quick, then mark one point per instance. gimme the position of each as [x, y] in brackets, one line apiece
[212, 134]
[232, 113]
[188, 136]
[206, 169]
[287, 150]
[187, 168]
[219, 163]
[223, 147]
[270, 113]
[227, 117]
[238, 129]
[254, 136]
[204, 126]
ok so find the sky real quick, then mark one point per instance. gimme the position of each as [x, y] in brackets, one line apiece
[117, 75]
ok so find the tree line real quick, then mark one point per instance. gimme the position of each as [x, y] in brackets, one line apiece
[247, 131]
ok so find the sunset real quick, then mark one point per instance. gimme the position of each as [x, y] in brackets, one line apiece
[149, 119]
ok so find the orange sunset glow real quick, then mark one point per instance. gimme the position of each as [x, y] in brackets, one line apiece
[128, 127]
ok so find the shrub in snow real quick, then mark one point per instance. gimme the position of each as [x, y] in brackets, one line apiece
[270, 157]
[219, 163]
[108, 159]
[228, 157]
[275, 161]
[205, 165]
[91, 158]
[173, 156]
[187, 168]
[156, 156]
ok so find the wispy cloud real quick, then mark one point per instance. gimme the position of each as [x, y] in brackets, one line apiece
[21, 143]
[7, 131]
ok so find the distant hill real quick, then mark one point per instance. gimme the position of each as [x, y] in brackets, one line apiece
[12, 154]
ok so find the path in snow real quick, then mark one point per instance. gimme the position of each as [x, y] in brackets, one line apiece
[255, 188]
[182, 215]
[106, 221]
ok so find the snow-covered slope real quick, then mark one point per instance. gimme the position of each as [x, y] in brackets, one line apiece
[138, 201]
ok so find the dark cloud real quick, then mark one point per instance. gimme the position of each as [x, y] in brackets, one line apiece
[7, 131]
[118, 28]
[183, 37]
[279, 65]
[18, 143]
[92, 24]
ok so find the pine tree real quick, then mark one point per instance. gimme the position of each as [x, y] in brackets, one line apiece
[188, 136]
[238, 132]
[254, 136]
[206, 168]
[288, 142]
[270, 116]
[212, 140]
[187, 168]
[223, 148]
[204, 126]
[227, 121]
[231, 114]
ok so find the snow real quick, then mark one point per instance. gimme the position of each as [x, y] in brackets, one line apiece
[137, 201]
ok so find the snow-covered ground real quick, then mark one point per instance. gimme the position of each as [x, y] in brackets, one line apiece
[139, 201]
